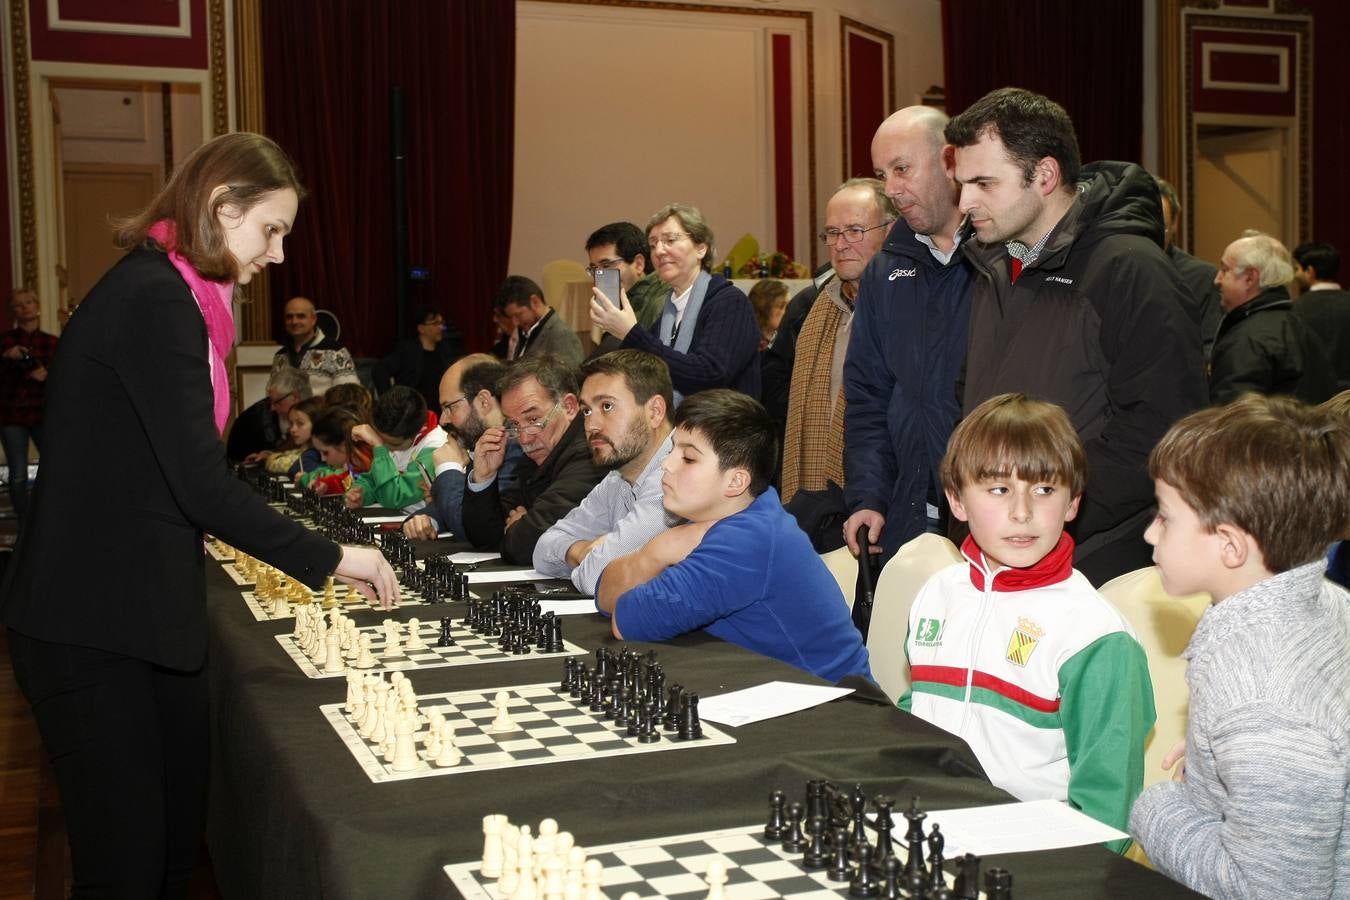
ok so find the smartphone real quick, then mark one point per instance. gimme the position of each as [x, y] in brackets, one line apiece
[607, 280]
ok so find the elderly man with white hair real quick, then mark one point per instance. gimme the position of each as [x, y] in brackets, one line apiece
[1261, 345]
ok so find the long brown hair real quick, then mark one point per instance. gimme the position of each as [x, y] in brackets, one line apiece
[250, 166]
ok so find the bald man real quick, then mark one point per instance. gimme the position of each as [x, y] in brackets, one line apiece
[468, 408]
[908, 340]
[325, 361]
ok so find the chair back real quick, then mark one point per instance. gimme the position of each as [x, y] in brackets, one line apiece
[1164, 625]
[557, 275]
[899, 584]
[844, 567]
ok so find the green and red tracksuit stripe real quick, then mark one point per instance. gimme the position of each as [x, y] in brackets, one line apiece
[989, 690]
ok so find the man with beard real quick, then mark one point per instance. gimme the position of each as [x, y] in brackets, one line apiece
[538, 395]
[626, 397]
[468, 408]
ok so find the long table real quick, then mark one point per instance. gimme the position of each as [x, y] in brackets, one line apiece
[292, 814]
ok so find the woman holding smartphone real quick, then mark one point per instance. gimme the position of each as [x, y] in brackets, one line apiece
[707, 332]
[106, 613]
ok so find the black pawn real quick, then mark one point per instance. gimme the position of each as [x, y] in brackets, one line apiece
[940, 893]
[569, 681]
[597, 692]
[620, 715]
[794, 841]
[776, 828]
[998, 884]
[967, 883]
[649, 733]
[690, 726]
[840, 870]
[445, 640]
[935, 844]
[817, 857]
[890, 884]
[864, 883]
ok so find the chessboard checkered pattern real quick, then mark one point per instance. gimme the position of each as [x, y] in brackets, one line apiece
[552, 727]
[347, 601]
[757, 869]
[469, 649]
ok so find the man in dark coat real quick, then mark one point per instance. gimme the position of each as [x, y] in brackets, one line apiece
[419, 362]
[1324, 305]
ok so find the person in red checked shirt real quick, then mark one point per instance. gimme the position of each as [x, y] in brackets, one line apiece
[25, 353]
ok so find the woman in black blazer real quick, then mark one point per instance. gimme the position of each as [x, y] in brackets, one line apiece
[106, 613]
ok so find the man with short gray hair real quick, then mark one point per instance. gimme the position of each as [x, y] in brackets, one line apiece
[1262, 346]
[262, 426]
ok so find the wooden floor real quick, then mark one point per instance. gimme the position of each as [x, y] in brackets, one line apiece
[34, 857]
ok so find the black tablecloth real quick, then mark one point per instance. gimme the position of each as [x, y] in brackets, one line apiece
[293, 815]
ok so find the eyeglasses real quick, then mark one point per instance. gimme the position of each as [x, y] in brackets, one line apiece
[1225, 269]
[604, 264]
[657, 240]
[446, 407]
[852, 234]
[515, 429]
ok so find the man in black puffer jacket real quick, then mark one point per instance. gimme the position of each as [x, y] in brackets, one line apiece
[1075, 302]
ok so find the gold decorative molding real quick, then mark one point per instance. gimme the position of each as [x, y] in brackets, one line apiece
[884, 37]
[23, 141]
[251, 115]
[1171, 104]
[215, 42]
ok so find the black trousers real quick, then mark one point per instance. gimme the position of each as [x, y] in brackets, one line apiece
[129, 743]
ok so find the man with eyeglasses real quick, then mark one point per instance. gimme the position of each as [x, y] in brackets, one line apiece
[468, 409]
[623, 246]
[538, 396]
[541, 331]
[908, 341]
[419, 362]
[857, 218]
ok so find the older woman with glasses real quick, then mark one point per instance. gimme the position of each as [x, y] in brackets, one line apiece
[707, 333]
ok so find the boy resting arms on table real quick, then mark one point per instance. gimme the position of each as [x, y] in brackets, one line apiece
[741, 569]
[1013, 650]
[1249, 497]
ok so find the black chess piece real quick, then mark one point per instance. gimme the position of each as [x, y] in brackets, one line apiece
[776, 828]
[815, 800]
[620, 713]
[998, 884]
[916, 880]
[940, 893]
[857, 807]
[649, 733]
[794, 841]
[890, 882]
[840, 870]
[816, 857]
[671, 720]
[691, 728]
[597, 692]
[445, 640]
[885, 847]
[967, 883]
[864, 883]
[555, 635]
[935, 844]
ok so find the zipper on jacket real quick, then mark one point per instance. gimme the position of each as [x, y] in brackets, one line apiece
[977, 636]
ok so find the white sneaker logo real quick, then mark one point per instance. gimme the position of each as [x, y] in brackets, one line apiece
[902, 273]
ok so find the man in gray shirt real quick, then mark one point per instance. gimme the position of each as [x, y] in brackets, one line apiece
[625, 404]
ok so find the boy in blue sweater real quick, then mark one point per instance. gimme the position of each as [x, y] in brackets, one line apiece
[741, 569]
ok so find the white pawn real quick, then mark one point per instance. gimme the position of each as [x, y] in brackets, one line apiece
[435, 719]
[715, 879]
[405, 749]
[628, 895]
[433, 742]
[552, 871]
[364, 658]
[414, 641]
[382, 724]
[526, 889]
[563, 844]
[392, 647]
[354, 685]
[591, 873]
[388, 746]
[334, 664]
[576, 861]
[492, 845]
[510, 868]
[450, 754]
[544, 844]
[503, 721]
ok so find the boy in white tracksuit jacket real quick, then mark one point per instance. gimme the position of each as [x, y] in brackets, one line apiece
[1013, 650]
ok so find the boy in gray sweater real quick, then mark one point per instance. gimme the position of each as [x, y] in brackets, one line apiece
[1249, 497]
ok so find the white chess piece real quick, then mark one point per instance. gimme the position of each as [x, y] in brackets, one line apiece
[355, 686]
[374, 710]
[334, 664]
[415, 641]
[547, 837]
[492, 845]
[552, 870]
[591, 874]
[503, 721]
[450, 754]
[405, 749]
[526, 889]
[715, 879]
[364, 658]
[506, 885]
[392, 647]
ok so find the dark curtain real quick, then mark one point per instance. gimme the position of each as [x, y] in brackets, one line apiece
[1088, 57]
[328, 68]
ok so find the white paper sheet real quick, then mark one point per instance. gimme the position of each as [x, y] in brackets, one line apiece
[571, 608]
[1017, 827]
[380, 520]
[473, 556]
[765, 701]
[498, 576]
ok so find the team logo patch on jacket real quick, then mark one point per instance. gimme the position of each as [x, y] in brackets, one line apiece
[1023, 641]
[928, 633]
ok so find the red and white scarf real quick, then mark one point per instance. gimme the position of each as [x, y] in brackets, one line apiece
[215, 300]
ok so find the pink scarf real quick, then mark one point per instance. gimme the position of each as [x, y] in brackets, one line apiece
[215, 300]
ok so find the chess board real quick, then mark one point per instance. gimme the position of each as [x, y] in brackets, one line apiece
[757, 868]
[347, 600]
[469, 649]
[552, 728]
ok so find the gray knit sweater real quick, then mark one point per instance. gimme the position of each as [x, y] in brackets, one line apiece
[1263, 809]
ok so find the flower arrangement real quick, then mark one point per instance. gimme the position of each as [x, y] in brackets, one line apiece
[772, 265]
